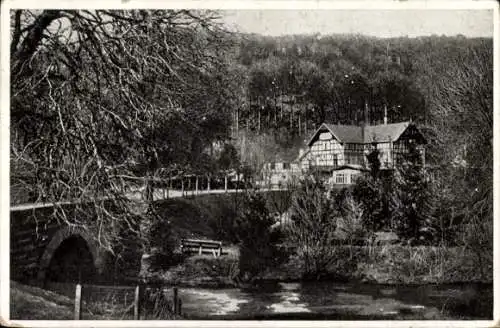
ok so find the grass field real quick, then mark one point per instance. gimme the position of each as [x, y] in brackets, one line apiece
[32, 303]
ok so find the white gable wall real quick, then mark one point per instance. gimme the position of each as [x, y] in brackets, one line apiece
[326, 151]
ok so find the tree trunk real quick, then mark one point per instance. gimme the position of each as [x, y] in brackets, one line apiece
[259, 120]
[32, 39]
[237, 120]
[146, 226]
[299, 124]
[281, 108]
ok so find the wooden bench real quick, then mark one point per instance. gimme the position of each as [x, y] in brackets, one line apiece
[201, 246]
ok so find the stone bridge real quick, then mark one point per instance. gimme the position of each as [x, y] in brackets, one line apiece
[37, 243]
[40, 248]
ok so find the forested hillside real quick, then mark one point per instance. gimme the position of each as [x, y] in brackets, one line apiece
[288, 85]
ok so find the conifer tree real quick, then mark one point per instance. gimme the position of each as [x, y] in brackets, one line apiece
[252, 229]
[411, 199]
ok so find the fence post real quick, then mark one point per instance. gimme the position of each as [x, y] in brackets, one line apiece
[179, 307]
[78, 302]
[137, 302]
[169, 186]
[175, 300]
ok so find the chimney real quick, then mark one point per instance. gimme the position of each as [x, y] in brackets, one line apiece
[385, 115]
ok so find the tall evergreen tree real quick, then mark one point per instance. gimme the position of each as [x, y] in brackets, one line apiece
[371, 191]
[257, 241]
[411, 199]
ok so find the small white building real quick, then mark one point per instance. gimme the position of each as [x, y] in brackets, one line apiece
[345, 174]
[279, 174]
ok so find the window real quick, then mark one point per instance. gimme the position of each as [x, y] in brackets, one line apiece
[341, 179]
[354, 153]
[286, 166]
[272, 166]
[335, 160]
[354, 158]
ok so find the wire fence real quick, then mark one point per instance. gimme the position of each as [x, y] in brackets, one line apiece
[113, 302]
[105, 302]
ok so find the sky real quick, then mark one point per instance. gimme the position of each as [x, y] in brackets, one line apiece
[380, 23]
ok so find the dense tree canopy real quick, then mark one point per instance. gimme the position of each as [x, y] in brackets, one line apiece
[102, 98]
[309, 79]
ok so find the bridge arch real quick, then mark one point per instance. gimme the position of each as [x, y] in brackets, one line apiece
[63, 235]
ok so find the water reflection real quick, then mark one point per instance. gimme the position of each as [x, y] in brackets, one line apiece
[206, 302]
[289, 301]
[327, 300]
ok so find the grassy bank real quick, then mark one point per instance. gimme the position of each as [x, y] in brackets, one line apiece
[202, 271]
[389, 264]
[394, 264]
[423, 264]
[33, 303]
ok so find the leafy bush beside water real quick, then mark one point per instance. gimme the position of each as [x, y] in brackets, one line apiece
[393, 264]
[203, 270]
[421, 264]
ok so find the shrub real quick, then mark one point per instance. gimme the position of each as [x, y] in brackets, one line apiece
[371, 193]
[350, 224]
[257, 241]
[313, 227]
[210, 266]
[156, 305]
[420, 264]
[477, 237]
[203, 270]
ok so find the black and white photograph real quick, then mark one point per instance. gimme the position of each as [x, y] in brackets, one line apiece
[314, 163]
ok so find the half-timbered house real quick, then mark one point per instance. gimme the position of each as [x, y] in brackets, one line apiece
[338, 152]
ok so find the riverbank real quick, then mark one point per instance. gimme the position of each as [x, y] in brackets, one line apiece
[340, 301]
[389, 264]
[33, 303]
[286, 301]
[354, 290]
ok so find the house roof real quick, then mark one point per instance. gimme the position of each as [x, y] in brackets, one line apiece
[360, 134]
[384, 132]
[346, 133]
[350, 166]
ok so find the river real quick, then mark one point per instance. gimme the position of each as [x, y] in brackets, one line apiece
[333, 301]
